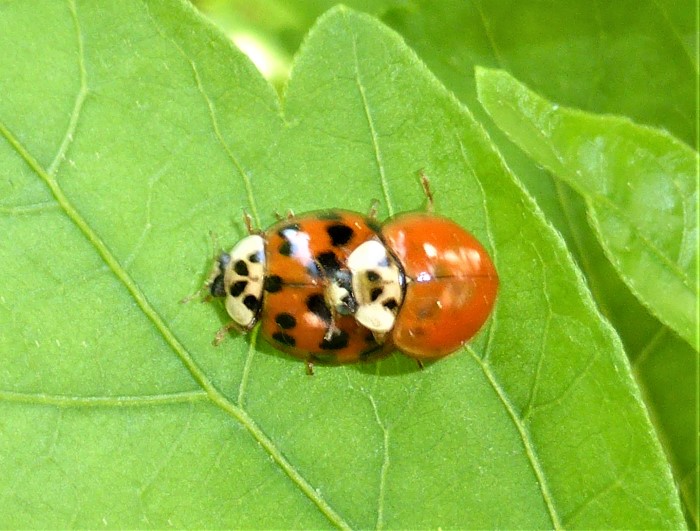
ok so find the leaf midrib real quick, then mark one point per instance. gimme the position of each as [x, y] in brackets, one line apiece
[214, 395]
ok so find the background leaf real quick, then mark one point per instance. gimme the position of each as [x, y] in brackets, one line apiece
[142, 130]
[639, 184]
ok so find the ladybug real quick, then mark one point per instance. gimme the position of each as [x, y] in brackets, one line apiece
[293, 279]
[338, 287]
[446, 281]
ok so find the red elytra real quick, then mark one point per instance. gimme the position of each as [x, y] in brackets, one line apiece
[451, 284]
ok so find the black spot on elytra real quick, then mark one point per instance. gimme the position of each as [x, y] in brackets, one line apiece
[376, 293]
[285, 248]
[329, 215]
[216, 288]
[317, 306]
[285, 320]
[238, 287]
[255, 258]
[329, 263]
[284, 339]
[273, 283]
[241, 268]
[340, 234]
[372, 276]
[390, 304]
[251, 302]
[339, 339]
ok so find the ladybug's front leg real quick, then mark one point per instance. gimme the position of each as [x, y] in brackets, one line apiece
[222, 332]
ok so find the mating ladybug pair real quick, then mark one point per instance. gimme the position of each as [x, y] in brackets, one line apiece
[337, 287]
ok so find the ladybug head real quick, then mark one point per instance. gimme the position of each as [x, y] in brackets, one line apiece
[216, 284]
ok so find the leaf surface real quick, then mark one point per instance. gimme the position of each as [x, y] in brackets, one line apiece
[140, 129]
[592, 56]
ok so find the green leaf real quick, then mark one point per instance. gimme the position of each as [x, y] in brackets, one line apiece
[639, 183]
[668, 372]
[131, 129]
[590, 56]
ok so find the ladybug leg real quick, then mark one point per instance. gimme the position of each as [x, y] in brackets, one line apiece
[373, 208]
[288, 215]
[425, 182]
[309, 367]
[198, 293]
[224, 330]
[420, 364]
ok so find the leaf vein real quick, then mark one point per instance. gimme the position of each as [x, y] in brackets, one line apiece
[197, 373]
[385, 464]
[79, 99]
[101, 401]
[372, 129]
[212, 116]
[526, 439]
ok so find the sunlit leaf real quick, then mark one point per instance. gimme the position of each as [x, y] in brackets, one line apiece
[132, 129]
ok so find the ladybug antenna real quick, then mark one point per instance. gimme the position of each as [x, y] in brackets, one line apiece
[425, 182]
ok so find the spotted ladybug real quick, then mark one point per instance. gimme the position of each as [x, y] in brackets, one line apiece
[293, 279]
[338, 287]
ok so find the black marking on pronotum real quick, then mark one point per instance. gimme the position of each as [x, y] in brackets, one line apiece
[390, 304]
[285, 320]
[372, 276]
[317, 306]
[339, 339]
[251, 302]
[284, 339]
[241, 268]
[272, 284]
[376, 293]
[340, 234]
[255, 258]
[238, 287]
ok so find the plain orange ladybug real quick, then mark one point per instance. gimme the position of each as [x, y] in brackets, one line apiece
[337, 287]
